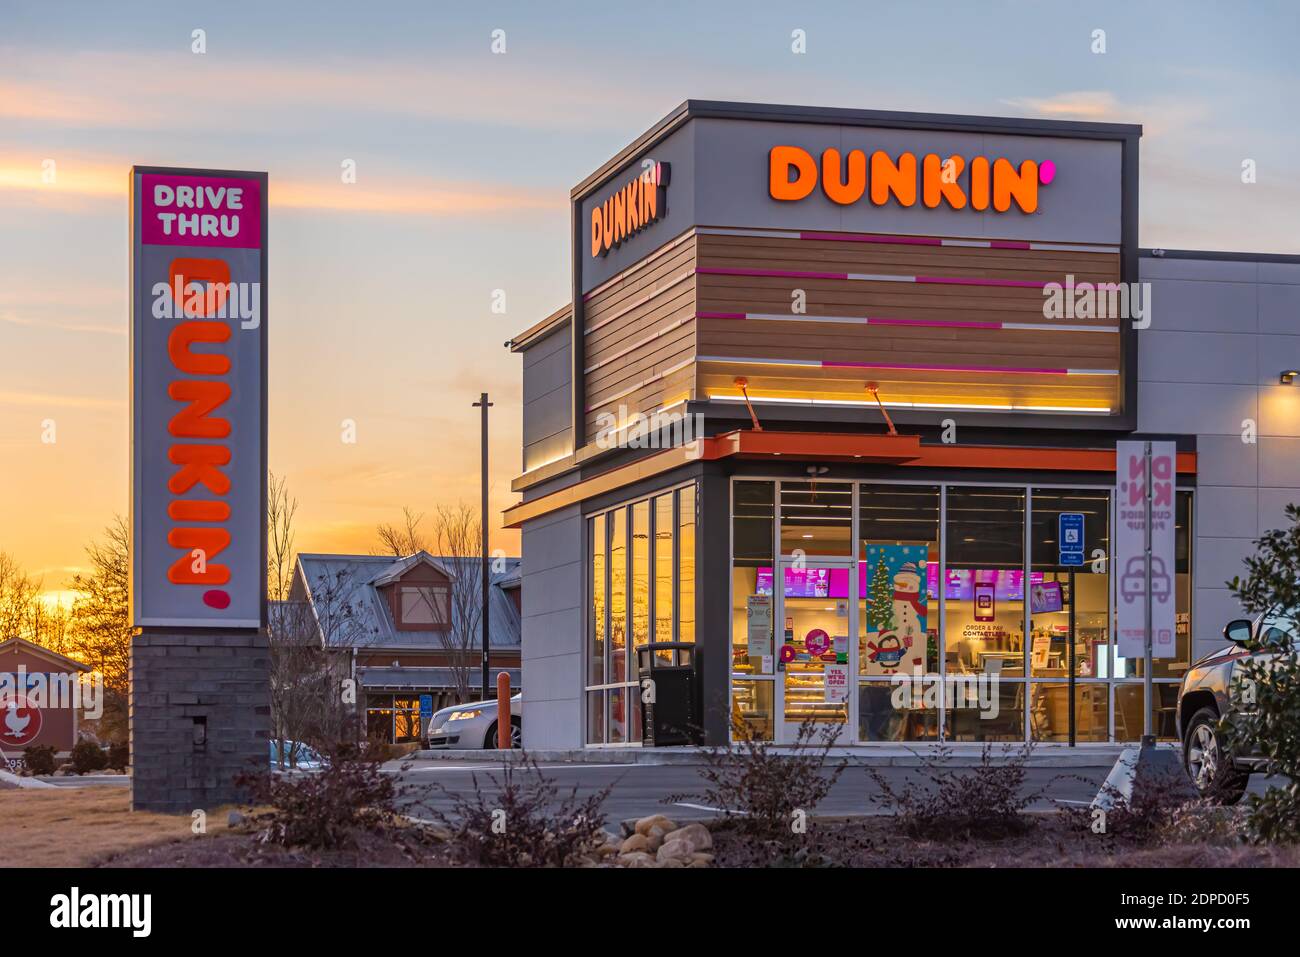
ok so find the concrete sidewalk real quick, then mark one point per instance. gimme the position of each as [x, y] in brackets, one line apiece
[964, 755]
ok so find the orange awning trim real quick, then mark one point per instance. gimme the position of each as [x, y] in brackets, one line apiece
[903, 450]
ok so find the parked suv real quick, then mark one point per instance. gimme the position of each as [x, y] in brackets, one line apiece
[1207, 694]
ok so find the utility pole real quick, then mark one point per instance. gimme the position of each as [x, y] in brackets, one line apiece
[484, 405]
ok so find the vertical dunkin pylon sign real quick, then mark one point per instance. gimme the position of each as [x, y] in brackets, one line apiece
[198, 398]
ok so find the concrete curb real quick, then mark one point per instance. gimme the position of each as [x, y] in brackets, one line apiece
[10, 778]
[1058, 758]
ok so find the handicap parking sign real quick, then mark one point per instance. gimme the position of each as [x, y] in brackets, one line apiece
[1070, 538]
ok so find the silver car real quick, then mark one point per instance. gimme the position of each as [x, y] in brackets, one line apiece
[473, 726]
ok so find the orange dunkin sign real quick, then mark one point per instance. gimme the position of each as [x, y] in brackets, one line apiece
[631, 209]
[953, 181]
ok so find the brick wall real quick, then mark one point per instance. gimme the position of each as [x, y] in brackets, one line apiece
[222, 678]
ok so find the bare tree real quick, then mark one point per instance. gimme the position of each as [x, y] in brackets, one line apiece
[404, 539]
[455, 541]
[19, 596]
[457, 536]
[311, 642]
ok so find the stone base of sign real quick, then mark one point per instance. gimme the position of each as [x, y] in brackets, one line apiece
[200, 714]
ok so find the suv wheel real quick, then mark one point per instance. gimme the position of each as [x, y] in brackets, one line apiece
[1209, 763]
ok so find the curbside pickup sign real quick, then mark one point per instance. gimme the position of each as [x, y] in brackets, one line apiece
[198, 398]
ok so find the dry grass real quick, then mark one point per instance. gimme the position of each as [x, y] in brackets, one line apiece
[79, 827]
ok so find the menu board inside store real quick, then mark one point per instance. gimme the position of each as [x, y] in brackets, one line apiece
[1008, 583]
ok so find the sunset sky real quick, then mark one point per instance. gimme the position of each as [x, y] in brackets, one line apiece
[380, 292]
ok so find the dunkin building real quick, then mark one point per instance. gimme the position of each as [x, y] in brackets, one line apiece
[838, 402]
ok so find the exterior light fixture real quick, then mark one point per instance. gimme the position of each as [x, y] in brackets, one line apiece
[874, 389]
[742, 384]
[1288, 376]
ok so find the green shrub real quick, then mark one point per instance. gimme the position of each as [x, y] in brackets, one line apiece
[1269, 685]
[119, 755]
[88, 757]
[39, 758]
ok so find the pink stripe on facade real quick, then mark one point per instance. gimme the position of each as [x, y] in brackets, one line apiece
[977, 281]
[941, 368]
[778, 273]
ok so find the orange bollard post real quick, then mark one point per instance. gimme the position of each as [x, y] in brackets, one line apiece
[503, 710]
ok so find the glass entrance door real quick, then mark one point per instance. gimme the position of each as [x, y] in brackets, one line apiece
[816, 612]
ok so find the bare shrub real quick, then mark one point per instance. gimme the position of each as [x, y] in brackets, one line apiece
[983, 801]
[521, 821]
[764, 787]
[322, 810]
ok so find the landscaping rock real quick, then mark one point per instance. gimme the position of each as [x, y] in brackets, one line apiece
[655, 837]
[675, 850]
[637, 859]
[644, 825]
[635, 843]
[696, 834]
[700, 859]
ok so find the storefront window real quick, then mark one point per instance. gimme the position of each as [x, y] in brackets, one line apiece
[1049, 711]
[642, 585]
[752, 713]
[752, 609]
[617, 669]
[817, 518]
[686, 563]
[1128, 711]
[595, 717]
[898, 611]
[984, 591]
[898, 711]
[1069, 586]
[599, 609]
[640, 574]
[663, 568]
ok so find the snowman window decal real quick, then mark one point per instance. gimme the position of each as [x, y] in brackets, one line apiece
[896, 609]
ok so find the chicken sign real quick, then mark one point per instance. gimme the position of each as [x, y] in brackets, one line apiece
[198, 396]
[20, 723]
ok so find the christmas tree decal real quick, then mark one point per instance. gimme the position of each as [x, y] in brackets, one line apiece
[880, 607]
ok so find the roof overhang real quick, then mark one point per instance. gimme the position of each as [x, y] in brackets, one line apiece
[902, 450]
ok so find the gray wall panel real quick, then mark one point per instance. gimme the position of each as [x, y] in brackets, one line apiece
[552, 630]
[1211, 360]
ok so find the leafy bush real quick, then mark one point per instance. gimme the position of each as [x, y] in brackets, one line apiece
[119, 755]
[1270, 686]
[520, 821]
[88, 757]
[766, 788]
[322, 810]
[39, 758]
[983, 801]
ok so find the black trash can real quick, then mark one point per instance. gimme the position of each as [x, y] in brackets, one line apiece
[670, 693]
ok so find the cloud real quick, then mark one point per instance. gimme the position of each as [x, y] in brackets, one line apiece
[52, 400]
[16, 320]
[99, 177]
[122, 90]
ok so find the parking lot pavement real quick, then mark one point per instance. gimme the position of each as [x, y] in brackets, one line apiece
[639, 790]
[90, 780]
